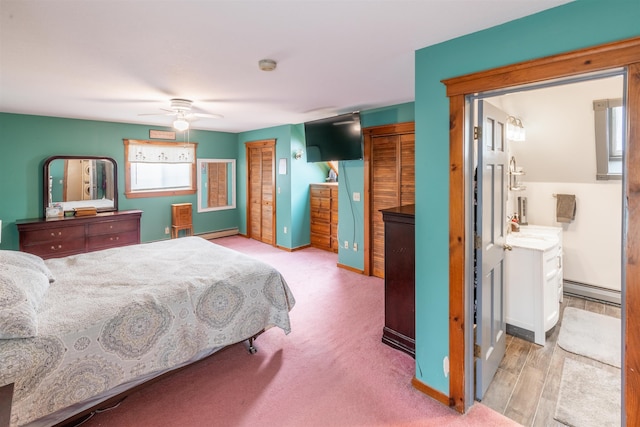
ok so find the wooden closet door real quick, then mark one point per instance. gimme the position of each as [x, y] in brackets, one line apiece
[392, 183]
[261, 185]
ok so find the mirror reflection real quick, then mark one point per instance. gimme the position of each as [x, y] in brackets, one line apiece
[216, 184]
[73, 181]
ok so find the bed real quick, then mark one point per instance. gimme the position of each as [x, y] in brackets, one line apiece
[99, 323]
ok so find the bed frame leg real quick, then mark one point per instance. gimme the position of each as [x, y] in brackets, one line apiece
[252, 348]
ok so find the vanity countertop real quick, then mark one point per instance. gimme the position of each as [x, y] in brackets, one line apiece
[532, 240]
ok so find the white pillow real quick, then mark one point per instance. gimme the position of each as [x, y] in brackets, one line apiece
[26, 260]
[21, 291]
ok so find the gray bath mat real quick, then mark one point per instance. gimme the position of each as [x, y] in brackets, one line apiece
[592, 335]
[589, 396]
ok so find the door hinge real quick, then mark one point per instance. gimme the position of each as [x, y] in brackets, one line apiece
[477, 351]
[477, 241]
[477, 132]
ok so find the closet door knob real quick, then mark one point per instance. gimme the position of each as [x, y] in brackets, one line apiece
[507, 247]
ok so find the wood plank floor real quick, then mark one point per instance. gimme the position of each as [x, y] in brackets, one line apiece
[527, 382]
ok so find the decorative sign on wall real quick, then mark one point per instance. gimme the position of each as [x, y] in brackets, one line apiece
[162, 134]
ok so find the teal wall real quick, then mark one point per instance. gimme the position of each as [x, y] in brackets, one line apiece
[25, 141]
[569, 27]
[351, 180]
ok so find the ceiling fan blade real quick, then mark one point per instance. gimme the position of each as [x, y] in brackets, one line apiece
[208, 115]
[158, 114]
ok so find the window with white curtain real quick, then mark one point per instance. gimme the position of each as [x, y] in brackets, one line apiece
[155, 168]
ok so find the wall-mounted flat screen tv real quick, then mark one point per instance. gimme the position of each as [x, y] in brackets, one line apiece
[334, 138]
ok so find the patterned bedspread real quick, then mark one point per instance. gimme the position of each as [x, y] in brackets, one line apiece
[118, 317]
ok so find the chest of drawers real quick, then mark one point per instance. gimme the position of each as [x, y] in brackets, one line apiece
[324, 216]
[58, 237]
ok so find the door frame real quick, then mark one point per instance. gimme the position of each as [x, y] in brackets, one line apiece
[260, 144]
[624, 53]
[368, 135]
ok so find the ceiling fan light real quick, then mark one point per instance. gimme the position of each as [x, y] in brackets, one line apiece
[181, 124]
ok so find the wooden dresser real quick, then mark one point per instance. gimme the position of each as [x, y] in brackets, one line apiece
[399, 278]
[58, 237]
[324, 216]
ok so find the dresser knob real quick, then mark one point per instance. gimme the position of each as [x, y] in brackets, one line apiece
[111, 226]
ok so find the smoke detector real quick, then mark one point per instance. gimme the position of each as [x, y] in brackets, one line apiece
[267, 64]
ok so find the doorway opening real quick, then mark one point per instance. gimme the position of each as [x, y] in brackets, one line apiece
[558, 156]
[624, 53]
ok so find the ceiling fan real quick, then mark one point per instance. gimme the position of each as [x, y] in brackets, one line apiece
[181, 109]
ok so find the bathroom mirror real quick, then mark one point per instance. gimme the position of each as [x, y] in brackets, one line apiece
[80, 181]
[216, 184]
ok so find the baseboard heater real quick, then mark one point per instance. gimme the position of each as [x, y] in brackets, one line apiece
[592, 292]
[220, 233]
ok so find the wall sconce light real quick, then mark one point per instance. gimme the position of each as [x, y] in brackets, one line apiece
[297, 154]
[515, 129]
[181, 124]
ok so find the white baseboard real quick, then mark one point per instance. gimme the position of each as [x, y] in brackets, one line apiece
[220, 233]
[592, 292]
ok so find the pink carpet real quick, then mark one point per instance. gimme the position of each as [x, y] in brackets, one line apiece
[332, 370]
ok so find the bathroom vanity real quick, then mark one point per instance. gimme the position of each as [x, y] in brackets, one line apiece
[534, 281]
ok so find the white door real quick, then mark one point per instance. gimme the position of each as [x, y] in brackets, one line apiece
[491, 227]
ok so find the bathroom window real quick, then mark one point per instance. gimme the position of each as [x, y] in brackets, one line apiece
[154, 168]
[610, 136]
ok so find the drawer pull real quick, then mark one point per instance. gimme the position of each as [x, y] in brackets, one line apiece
[53, 248]
[111, 226]
[116, 238]
[54, 234]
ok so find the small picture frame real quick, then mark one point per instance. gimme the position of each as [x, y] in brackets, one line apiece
[54, 212]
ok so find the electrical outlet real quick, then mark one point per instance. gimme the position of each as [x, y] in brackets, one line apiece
[346, 244]
[356, 197]
[166, 230]
[285, 230]
[355, 247]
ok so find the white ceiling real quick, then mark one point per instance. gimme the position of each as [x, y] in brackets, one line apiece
[113, 60]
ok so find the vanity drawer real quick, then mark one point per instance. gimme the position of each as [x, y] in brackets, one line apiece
[104, 241]
[55, 249]
[111, 227]
[57, 234]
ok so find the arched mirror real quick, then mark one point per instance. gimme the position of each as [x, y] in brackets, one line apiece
[72, 182]
[216, 184]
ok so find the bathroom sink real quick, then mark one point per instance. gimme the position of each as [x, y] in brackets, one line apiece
[531, 240]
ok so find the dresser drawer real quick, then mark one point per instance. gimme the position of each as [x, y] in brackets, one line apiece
[321, 228]
[110, 227]
[104, 241]
[320, 216]
[320, 204]
[320, 240]
[54, 234]
[55, 249]
[183, 215]
[320, 191]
